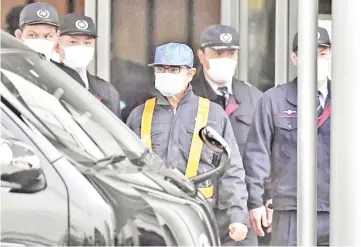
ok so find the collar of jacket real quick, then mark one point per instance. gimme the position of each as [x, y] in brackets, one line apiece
[292, 91]
[162, 100]
[208, 92]
[75, 75]
[69, 71]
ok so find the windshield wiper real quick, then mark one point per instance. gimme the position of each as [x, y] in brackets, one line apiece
[149, 160]
[58, 93]
[105, 162]
[175, 177]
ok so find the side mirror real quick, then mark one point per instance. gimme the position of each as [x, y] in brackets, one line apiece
[20, 167]
[219, 146]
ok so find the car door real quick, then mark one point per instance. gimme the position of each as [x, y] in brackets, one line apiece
[37, 217]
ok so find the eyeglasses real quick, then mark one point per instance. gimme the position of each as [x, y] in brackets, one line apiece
[172, 69]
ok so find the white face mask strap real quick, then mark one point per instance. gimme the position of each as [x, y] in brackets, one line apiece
[188, 76]
[64, 48]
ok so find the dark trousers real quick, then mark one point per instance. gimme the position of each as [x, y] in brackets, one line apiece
[264, 241]
[223, 225]
[284, 228]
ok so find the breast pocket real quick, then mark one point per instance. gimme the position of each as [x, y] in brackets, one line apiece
[187, 138]
[244, 119]
[285, 136]
[243, 123]
[284, 150]
[286, 127]
[157, 136]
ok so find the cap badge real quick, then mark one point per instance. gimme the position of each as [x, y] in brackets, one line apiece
[81, 24]
[318, 35]
[42, 13]
[226, 37]
[164, 59]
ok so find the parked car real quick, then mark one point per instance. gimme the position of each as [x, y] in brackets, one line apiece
[41, 193]
[125, 196]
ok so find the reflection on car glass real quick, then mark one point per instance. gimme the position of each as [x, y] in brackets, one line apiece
[29, 61]
[24, 67]
[7, 83]
[6, 152]
[81, 118]
[34, 73]
[49, 109]
[5, 134]
[95, 131]
[5, 149]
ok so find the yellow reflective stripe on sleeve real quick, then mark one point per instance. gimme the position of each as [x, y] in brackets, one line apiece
[197, 144]
[146, 127]
[207, 192]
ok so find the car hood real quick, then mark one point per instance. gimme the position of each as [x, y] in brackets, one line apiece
[147, 213]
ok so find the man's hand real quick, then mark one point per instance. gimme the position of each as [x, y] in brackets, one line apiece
[238, 231]
[258, 217]
[269, 229]
[269, 212]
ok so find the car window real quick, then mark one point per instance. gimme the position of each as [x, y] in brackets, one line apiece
[52, 113]
[74, 129]
[5, 148]
[37, 83]
[16, 158]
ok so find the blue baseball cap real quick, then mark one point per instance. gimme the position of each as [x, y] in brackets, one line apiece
[173, 54]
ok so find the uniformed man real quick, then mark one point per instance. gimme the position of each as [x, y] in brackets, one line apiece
[169, 125]
[218, 55]
[75, 50]
[271, 150]
[38, 27]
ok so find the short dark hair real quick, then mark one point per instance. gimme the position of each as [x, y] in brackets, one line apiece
[12, 19]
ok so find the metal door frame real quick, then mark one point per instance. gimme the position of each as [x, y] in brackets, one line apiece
[100, 12]
[235, 14]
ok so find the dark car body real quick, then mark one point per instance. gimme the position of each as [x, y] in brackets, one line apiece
[53, 214]
[104, 187]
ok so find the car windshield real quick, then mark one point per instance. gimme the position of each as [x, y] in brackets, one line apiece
[49, 94]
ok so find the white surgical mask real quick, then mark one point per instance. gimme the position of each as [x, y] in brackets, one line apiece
[78, 57]
[169, 84]
[42, 46]
[221, 70]
[323, 69]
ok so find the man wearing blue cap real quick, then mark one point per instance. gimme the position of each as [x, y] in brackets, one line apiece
[38, 27]
[169, 125]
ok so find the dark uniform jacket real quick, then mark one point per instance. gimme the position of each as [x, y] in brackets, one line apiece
[246, 97]
[172, 134]
[272, 150]
[101, 89]
[134, 82]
